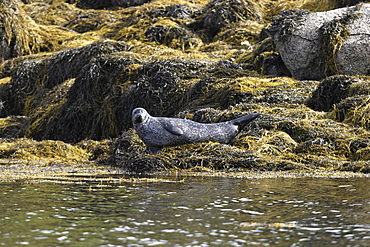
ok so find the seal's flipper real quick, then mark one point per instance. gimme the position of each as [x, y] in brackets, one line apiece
[243, 121]
[154, 150]
[173, 129]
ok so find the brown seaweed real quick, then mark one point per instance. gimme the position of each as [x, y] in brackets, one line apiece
[69, 78]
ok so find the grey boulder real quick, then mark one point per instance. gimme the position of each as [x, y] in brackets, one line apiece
[317, 45]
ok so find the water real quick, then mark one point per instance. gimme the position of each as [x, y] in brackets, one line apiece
[186, 212]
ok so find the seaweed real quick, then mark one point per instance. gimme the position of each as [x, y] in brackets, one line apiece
[284, 24]
[71, 77]
[33, 78]
[359, 115]
[88, 109]
[329, 92]
[219, 14]
[290, 145]
[46, 151]
[332, 34]
[341, 109]
[174, 37]
[20, 35]
[165, 24]
[25, 81]
[346, 3]
[10, 126]
[357, 94]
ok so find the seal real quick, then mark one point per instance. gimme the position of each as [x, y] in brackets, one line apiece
[159, 132]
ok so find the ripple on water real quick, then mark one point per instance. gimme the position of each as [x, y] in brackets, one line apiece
[197, 211]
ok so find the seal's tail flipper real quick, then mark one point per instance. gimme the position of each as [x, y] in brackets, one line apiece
[243, 121]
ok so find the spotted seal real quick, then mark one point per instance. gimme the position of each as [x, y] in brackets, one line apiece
[158, 132]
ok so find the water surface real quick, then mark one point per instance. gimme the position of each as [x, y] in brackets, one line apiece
[186, 212]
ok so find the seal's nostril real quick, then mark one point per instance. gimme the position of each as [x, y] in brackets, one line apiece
[138, 119]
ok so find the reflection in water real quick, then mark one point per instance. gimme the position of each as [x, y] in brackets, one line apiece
[191, 212]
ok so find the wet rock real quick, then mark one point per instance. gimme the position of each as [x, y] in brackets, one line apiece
[316, 45]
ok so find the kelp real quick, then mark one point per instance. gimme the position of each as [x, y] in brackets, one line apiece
[73, 18]
[44, 151]
[161, 23]
[241, 35]
[11, 125]
[88, 108]
[173, 36]
[200, 60]
[273, 8]
[332, 36]
[345, 3]
[329, 92]
[359, 113]
[220, 14]
[288, 147]
[346, 99]
[21, 35]
[33, 78]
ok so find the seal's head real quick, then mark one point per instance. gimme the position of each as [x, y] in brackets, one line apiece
[139, 116]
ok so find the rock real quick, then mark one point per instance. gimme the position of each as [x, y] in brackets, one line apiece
[316, 45]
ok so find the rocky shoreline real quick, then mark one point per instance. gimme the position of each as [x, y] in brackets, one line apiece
[71, 73]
